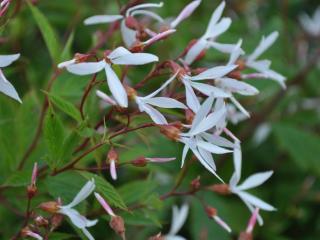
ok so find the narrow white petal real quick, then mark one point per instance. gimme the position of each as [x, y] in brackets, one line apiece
[236, 53]
[223, 47]
[191, 97]
[236, 86]
[212, 148]
[87, 234]
[155, 115]
[76, 218]
[256, 201]
[237, 160]
[185, 13]
[209, 122]
[115, 86]
[162, 87]
[66, 63]
[195, 50]
[143, 6]
[179, 216]
[264, 44]
[102, 19]
[209, 90]
[85, 191]
[6, 60]
[149, 14]
[215, 72]
[207, 156]
[105, 98]
[216, 15]
[165, 102]
[220, 28]
[128, 35]
[7, 88]
[252, 208]
[118, 52]
[202, 112]
[239, 106]
[217, 140]
[184, 154]
[86, 68]
[135, 59]
[255, 180]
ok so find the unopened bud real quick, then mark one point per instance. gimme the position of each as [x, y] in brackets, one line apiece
[113, 158]
[189, 116]
[157, 237]
[26, 232]
[139, 162]
[236, 74]
[31, 191]
[117, 224]
[130, 92]
[222, 189]
[41, 221]
[245, 236]
[50, 207]
[211, 212]
[170, 132]
[56, 221]
[195, 183]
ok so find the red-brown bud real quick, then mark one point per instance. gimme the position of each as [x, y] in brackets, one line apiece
[189, 116]
[132, 23]
[117, 224]
[195, 183]
[41, 221]
[171, 132]
[56, 221]
[236, 74]
[31, 191]
[139, 162]
[79, 57]
[245, 236]
[222, 189]
[50, 207]
[112, 155]
[157, 237]
[211, 212]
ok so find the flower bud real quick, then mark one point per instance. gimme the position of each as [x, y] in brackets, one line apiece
[41, 221]
[31, 191]
[26, 232]
[236, 74]
[222, 189]
[189, 116]
[56, 221]
[117, 224]
[139, 162]
[50, 207]
[245, 236]
[132, 23]
[195, 183]
[157, 237]
[211, 212]
[170, 132]
[113, 158]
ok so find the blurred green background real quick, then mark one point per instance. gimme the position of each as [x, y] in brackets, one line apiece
[291, 149]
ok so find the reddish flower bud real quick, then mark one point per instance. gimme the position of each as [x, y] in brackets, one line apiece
[139, 162]
[189, 116]
[245, 236]
[132, 23]
[236, 74]
[50, 207]
[157, 237]
[117, 224]
[222, 189]
[195, 183]
[41, 221]
[170, 132]
[79, 57]
[112, 159]
[56, 221]
[31, 191]
[211, 212]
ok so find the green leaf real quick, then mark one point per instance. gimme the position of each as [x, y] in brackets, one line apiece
[18, 179]
[47, 32]
[137, 191]
[69, 145]
[66, 53]
[65, 106]
[302, 146]
[54, 136]
[107, 190]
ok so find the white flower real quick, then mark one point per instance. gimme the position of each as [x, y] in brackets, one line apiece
[185, 13]
[5, 86]
[145, 103]
[201, 143]
[76, 218]
[252, 181]
[263, 66]
[179, 216]
[128, 35]
[191, 82]
[119, 56]
[216, 27]
[311, 24]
